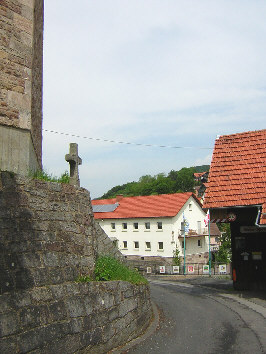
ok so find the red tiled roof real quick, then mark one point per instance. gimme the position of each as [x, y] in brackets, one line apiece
[238, 171]
[198, 174]
[164, 205]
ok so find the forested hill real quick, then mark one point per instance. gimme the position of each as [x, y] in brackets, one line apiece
[175, 181]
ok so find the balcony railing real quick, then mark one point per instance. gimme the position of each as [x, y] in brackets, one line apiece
[199, 232]
[214, 247]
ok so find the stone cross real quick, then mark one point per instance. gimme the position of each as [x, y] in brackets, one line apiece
[74, 161]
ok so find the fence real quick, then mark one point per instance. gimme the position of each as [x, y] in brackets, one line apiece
[190, 269]
[203, 269]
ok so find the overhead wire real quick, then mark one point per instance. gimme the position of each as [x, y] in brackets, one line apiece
[124, 142]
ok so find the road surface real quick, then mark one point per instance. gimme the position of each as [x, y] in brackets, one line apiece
[195, 319]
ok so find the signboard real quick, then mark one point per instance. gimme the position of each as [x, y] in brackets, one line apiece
[250, 229]
[176, 269]
[148, 270]
[222, 268]
[214, 248]
[257, 256]
[162, 269]
[206, 269]
[190, 269]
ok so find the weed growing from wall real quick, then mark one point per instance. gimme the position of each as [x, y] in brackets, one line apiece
[45, 176]
[108, 268]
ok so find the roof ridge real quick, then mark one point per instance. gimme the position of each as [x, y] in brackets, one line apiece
[250, 132]
[162, 205]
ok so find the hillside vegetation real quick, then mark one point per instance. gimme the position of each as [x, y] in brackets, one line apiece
[174, 182]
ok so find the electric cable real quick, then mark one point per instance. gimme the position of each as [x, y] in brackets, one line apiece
[124, 142]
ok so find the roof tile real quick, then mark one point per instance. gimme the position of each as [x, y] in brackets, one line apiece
[164, 205]
[238, 171]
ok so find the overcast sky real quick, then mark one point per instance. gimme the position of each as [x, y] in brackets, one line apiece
[159, 72]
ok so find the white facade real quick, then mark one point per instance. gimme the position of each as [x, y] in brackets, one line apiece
[159, 236]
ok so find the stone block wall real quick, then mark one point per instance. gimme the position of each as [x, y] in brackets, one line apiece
[47, 234]
[105, 246]
[154, 262]
[21, 48]
[48, 237]
[71, 317]
[201, 258]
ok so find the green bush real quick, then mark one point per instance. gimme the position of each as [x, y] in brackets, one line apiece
[176, 257]
[109, 268]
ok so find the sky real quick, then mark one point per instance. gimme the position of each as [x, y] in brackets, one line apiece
[173, 73]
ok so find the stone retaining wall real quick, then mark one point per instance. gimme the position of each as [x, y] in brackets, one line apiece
[47, 233]
[67, 318]
[48, 237]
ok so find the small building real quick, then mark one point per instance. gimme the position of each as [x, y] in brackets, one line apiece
[201, 177]
[200, 191]
[152, 227]
[236, 194]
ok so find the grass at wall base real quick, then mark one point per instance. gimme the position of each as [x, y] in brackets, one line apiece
[108, 268]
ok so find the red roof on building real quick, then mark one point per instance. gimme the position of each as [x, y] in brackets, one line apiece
[238, 171]
[198, 174]
[163, 205]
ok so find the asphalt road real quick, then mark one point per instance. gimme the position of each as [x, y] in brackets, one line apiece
[196, 319]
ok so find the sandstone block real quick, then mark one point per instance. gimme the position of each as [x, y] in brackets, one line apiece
[8, 324]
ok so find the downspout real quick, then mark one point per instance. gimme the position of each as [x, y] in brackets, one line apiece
[258, 218]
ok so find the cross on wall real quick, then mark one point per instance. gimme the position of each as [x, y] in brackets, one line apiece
[74, 161]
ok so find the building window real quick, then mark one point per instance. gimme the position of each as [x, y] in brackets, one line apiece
[183, 243]
[199, 243]
[199, 227]
[113, 225]
[136, 225]
[147, 225]
[148, 245]
[159, 225]
[124, 226]
[136, 244]
[160, 245]
[124, 244]
[190, 206]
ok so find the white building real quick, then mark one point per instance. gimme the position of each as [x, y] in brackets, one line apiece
[153, 226]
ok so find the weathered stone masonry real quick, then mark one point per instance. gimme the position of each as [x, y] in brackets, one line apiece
[21, 48]
[47, 238]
